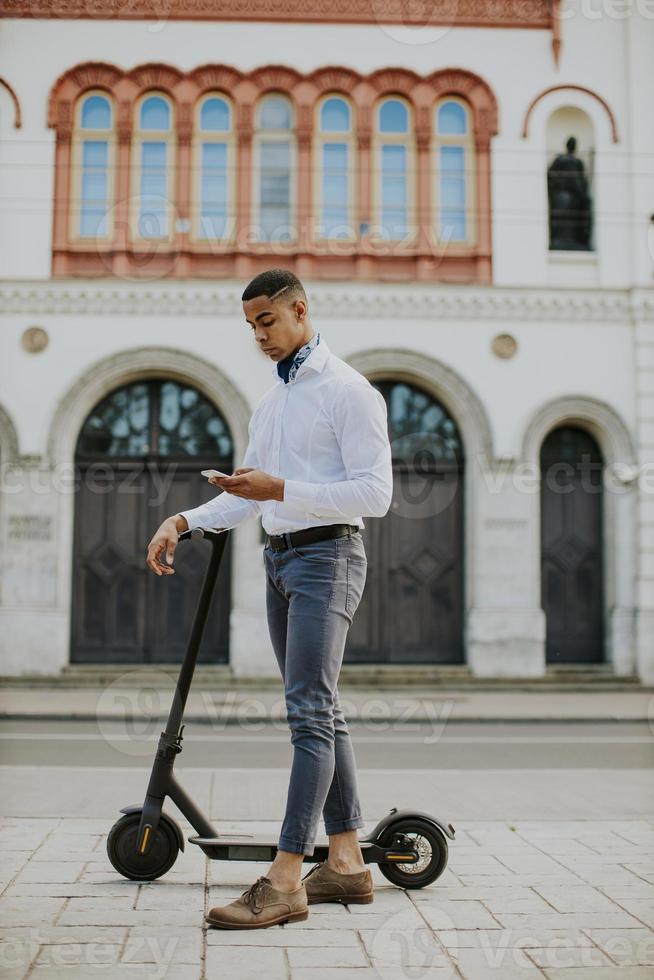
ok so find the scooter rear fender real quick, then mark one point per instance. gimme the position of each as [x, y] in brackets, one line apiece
[395, 815]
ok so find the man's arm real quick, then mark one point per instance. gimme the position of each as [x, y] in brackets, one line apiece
[223, 511]
[360, 424]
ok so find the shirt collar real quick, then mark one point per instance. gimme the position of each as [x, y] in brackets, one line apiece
[316, 358]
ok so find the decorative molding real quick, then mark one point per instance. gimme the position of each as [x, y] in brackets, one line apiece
[335, 79]
[400, 80]
[104, 376]
[574, 88]
[18, 122]
[445, 384]
[8, 439]
[268, 78]
[368, 257]
[461, 13]
[557, 41]
[215, 77]
[599, 418]
[334, 300]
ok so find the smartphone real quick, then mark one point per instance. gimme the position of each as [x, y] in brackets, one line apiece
[209, 473]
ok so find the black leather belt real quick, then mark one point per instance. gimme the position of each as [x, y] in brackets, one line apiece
[294, 539]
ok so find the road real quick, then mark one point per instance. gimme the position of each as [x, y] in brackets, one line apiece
[491, 770]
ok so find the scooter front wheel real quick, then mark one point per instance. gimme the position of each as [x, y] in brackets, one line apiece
[123, 852]
[431, 846]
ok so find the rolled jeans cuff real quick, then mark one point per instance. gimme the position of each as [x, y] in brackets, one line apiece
[294, 846]
[339, 826]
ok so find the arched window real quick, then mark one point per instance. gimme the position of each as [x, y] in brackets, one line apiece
[154, 156]
[454, 169]
[94, 171]
[214, 169]
[159, 418]
[334, 155]
[275, 169]
[394, 168]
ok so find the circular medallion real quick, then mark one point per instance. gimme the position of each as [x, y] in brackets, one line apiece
[504, 345]
[34, 340]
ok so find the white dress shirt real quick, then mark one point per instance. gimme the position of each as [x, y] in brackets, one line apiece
[325, 433]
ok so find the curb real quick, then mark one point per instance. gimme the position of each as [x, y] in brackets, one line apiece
[235, 720]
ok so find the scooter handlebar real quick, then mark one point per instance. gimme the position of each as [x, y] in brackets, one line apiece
[213, 534]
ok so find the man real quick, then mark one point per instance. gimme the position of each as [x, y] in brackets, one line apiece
[318, 459]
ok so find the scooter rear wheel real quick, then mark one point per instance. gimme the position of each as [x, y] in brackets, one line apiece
[123, 853]
[431, 845]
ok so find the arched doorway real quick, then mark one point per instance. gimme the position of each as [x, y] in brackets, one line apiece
[412, 607]
[572, 587]
[138, 459]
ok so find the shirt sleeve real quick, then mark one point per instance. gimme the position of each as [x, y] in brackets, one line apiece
[226, 510]
[360, 424]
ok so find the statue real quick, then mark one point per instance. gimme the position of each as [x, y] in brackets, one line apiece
[569, 201]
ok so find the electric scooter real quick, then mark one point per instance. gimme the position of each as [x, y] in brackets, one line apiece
[409, 847]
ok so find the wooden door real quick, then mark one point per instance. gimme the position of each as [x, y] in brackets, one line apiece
[571, 546]
[138, 460]
[412, 607]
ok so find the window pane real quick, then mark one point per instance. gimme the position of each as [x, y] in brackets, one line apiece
[275, 114]
[213, 191]
[94, 183]
[335, 116]
[394, 191]
[393, 117]
[153, 218]
[189, 425]
[118, 425]
[214, 116]
[275, 190]
[452, 193]
[334, 216]
[96, 113]
[155, 114]
[452, 119]
[422, 433]
[95, 153]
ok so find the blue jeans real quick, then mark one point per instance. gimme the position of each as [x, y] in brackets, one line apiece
[312, 594]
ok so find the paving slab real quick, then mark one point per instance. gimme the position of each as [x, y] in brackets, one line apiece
[518, 901]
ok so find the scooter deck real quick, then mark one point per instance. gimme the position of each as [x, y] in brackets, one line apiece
[259, 847]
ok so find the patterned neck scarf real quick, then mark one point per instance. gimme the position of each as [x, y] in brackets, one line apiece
[289, 367]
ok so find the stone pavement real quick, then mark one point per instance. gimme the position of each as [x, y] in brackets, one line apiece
[536, 899]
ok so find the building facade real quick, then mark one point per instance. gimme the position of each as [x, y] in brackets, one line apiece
[468, 202]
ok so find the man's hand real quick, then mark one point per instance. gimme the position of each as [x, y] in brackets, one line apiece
[251, 483]
[165, 539]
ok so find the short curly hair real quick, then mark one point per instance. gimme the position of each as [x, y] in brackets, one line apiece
[272, 283]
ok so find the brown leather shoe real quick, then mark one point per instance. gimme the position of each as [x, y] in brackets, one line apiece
[323, 884]
[259, 906]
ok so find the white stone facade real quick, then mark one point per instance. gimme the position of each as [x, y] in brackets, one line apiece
[583, 323]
